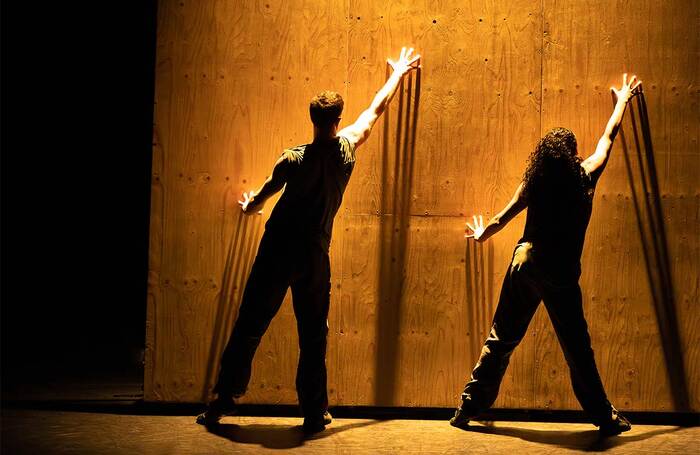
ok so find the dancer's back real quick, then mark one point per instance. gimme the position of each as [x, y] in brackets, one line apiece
[317, 175]
[559, 207]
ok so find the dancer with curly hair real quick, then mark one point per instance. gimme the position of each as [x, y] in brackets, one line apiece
[557, 190]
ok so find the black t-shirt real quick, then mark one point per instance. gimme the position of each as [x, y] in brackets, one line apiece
[317, 175]
[557, 219]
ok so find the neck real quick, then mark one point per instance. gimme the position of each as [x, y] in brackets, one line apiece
[323, 135]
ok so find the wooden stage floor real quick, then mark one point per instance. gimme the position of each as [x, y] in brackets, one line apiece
[44, 431]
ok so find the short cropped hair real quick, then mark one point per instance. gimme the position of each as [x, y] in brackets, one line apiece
[325, 108]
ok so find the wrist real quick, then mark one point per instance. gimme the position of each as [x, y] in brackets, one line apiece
[252, 202]
[621, 103]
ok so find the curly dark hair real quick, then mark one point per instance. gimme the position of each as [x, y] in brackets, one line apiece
[554, 166]
[325, 108]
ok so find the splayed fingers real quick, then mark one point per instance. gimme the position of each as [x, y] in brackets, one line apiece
[629, 88]
[247, 199]
[476, 228]
[405, 62]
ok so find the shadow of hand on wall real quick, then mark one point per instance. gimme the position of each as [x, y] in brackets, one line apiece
[240, 254]
[478, 269]
[277, 436]
[646, 197]
[397, 182]
[587, 440]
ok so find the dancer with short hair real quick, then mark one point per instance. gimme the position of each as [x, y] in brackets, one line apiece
[293, 251]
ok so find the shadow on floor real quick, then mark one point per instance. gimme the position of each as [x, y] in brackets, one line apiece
[139, 407]
[276, 436]
[588, 440]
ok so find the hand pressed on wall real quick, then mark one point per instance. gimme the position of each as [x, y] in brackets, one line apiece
[628, 89]
[247, 200]
[477, 228]
[405, 62]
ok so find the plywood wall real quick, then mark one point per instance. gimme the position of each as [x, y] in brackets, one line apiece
[412, 301]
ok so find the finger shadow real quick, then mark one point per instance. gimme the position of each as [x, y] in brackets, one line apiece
[241, 239]
[397, 170]
[479, 272]
[640, 164]
[587, 440]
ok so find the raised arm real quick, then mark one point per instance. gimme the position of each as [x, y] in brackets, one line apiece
[595, 163]
[254, 200]
[481, 233]
[358, 132]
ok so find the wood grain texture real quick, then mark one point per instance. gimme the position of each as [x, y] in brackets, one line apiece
[412, 302]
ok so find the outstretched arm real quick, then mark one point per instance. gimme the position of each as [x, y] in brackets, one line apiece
[595, 163]
[481, 233]
[254, 200]
[358, 132]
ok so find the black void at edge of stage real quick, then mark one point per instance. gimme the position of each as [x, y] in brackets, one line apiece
[140, 407]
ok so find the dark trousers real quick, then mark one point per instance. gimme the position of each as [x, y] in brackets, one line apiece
[523, 289]
[282, 262]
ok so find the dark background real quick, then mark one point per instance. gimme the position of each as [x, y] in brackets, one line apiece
[77, 109]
